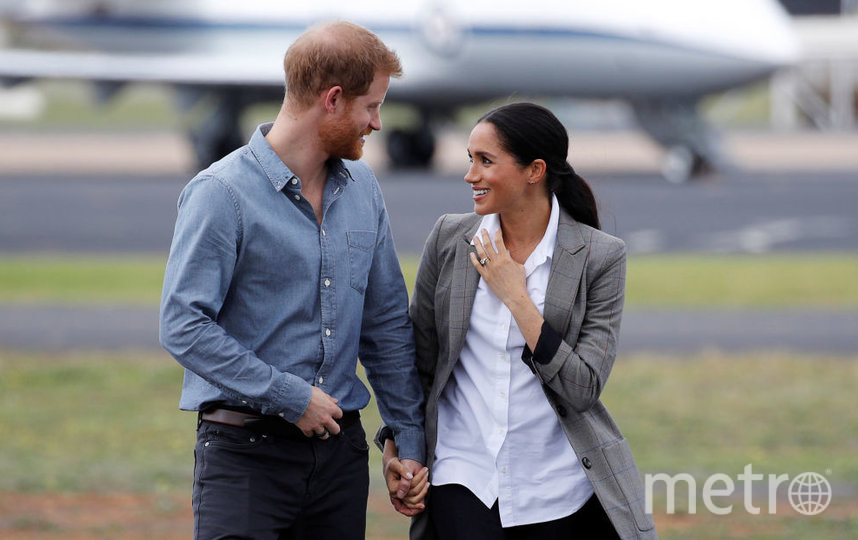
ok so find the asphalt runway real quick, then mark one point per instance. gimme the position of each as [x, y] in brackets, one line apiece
[737, 212]
[665, 331]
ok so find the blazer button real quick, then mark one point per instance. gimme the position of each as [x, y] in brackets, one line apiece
[586, 463]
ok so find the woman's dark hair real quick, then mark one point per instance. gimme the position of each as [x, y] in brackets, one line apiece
[529, 132]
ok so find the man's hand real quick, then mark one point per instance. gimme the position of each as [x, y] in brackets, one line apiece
[407, 481]
[320, 417]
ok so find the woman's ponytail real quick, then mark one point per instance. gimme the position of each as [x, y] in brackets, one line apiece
[574, 194]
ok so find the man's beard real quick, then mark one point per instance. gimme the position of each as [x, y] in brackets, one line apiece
[340, 138]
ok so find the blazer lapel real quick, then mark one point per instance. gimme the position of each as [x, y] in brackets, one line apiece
[567, 267]
[463, 289]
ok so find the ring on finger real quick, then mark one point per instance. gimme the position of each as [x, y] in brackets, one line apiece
[484, 260]
[321, 435]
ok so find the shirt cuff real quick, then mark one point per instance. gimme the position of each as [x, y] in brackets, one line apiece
[293, 399]
[411, 445]
[383, 433]
[546, 346]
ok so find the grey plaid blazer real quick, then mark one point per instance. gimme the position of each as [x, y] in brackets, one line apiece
[583, 304]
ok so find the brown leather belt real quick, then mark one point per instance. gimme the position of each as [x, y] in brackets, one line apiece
[264, 423]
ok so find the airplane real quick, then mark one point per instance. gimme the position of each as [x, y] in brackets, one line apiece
[660, 56]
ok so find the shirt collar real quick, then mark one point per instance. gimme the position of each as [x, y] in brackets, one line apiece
[278, 173]
[544, 250]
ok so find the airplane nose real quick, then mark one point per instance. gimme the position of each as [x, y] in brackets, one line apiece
[778, 45]
[767, 35]
[736, 49]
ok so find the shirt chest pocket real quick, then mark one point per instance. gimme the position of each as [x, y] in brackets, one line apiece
[361, 245]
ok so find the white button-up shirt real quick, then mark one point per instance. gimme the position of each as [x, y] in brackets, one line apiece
[497, 434]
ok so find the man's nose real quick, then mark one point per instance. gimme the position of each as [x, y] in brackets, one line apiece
[375, 121]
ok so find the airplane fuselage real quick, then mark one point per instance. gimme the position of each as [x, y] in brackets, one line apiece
[470, 52]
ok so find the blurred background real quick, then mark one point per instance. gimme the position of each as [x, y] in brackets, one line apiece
[721, 140]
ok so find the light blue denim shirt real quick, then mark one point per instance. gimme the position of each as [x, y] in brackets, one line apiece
[260, 302]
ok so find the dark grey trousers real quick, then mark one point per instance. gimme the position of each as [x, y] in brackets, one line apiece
[249, 484]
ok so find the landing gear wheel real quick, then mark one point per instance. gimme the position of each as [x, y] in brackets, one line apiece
[410, 149]
[210, 147]
[681, 164]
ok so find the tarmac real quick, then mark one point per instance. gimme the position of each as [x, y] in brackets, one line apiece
[657, 331]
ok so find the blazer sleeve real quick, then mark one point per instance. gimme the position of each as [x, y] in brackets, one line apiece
[422, 309]
[579, 370]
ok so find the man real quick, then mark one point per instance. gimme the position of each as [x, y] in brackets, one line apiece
[282, 272]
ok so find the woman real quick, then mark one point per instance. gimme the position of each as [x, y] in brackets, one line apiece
[516, 313]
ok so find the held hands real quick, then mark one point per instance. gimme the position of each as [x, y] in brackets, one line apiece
[502, 274]
[407, 481]
[320, 418]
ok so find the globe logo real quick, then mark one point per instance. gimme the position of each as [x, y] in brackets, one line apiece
[809, 493]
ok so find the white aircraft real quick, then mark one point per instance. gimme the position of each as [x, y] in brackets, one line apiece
[661, 56]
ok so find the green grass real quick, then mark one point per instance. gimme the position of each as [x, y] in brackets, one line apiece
[75, 279]
[741, 281]
[92, 422]
[107, 423]
[716, 413]
[729, 281]
[783, 412]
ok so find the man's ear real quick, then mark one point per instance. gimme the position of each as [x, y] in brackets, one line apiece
[333, 97]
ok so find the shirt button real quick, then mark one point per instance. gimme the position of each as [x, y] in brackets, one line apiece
[324, 233]
[327, 331]
[321, 380]
[282, 415]
[294, 181]
[327, 283]
[297, 197]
